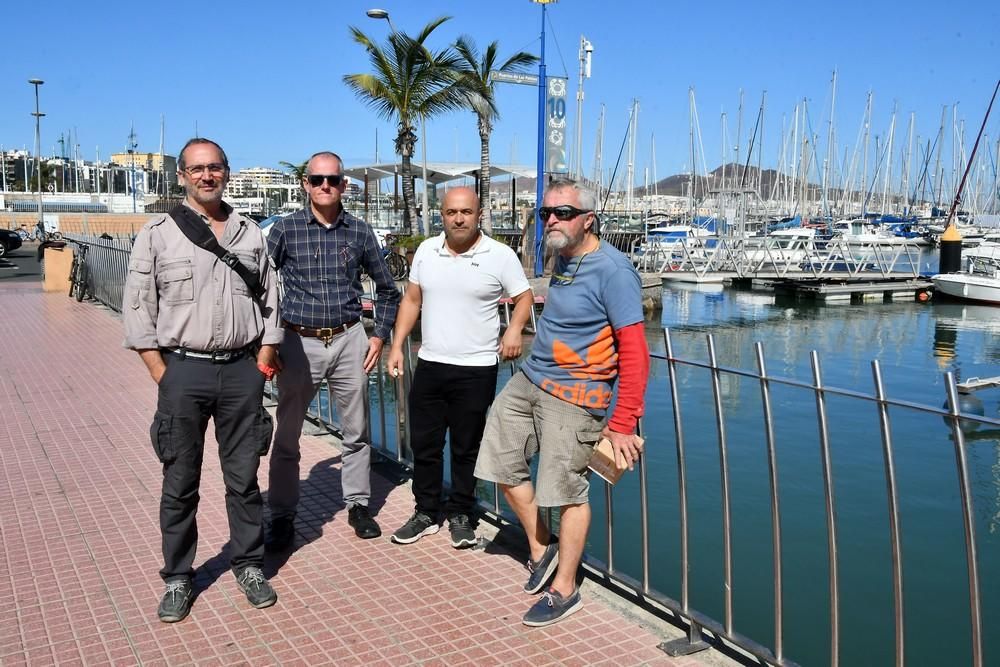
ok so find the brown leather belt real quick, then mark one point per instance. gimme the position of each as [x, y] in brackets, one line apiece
[325, 334]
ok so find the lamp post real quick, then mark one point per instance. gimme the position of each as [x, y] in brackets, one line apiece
[540, 161]
[379, 14]
[38, 150]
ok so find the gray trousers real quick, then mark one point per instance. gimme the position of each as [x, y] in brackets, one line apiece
[307, 361]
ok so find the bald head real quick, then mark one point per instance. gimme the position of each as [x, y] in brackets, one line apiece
[460, 215]
[460, 197]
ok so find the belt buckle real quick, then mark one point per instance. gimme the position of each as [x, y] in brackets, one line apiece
[222, 356]
[326, 335]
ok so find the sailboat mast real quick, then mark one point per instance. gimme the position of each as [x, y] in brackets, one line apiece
[829, 146]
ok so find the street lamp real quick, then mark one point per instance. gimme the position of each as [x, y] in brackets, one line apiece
[38, 149]
[383, 14]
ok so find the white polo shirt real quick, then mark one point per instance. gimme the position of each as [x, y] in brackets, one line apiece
[461, 294]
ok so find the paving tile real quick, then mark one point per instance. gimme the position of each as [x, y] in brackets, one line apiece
[80, 547]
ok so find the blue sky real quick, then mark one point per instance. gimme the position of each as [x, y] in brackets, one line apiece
[264, 78]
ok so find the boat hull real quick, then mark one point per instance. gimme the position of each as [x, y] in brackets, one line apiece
[982, 289]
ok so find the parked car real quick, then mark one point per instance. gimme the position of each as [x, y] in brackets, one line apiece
[9, 240]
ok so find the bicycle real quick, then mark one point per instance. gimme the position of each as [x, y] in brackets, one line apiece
[399, 269]
[79, 274]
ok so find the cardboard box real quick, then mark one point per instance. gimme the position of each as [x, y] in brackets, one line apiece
[606, 464]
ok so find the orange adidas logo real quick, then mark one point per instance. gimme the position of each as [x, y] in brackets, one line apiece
[600, 365]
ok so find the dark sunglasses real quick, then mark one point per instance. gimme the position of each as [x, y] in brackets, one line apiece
[563, 213]
[316, 180]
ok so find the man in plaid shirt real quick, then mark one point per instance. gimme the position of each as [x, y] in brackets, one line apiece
[320, 252]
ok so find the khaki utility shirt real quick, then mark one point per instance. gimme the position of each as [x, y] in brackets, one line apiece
[180, 295]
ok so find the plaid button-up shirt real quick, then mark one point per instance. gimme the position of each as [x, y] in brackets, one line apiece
[321, 271]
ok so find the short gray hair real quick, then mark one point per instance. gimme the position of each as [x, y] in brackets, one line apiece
[324, 154]
[588, 200]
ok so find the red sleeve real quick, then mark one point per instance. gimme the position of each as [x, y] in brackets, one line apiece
[633, 372]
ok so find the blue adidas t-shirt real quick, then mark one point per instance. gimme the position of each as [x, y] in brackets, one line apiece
[574, 356]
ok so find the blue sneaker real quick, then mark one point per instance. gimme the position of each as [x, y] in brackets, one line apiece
[552, 608]
[542, 570]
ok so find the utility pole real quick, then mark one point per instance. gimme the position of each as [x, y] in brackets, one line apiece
[586, 49]
[38, 151]
[540, 157]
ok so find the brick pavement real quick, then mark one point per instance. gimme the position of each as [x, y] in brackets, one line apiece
[79, 490]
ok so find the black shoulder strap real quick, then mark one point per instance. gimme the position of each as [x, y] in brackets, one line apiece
[195, 229]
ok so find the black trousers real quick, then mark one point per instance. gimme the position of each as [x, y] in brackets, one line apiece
[190, 391]
[455, 399]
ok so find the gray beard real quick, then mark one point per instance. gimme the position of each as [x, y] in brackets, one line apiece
[557, 240]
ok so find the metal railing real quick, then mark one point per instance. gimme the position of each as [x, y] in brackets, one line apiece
[107, 261]
[387, 407]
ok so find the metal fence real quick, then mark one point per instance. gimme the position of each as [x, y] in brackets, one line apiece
[107, 262]
[390, 437]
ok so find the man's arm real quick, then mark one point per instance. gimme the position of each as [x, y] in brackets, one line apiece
[406, 319]
[140, 305]
[386, 292]
[267, 357]
[633, 374]
[510, 342]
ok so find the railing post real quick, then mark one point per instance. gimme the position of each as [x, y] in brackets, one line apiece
[720, 425]
[958, 436]
[831, 517]
[693, 642]
[894, 532]
[772, 465]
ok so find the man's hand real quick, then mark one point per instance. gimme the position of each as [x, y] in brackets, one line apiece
[374, 352]
[510, 344]
[626, 445]
[154, 363]
[267, 358]
[394, 364]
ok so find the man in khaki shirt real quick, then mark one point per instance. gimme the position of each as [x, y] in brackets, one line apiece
[201, 333]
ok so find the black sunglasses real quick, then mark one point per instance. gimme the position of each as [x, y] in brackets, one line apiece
[563, 213]
[316, 180]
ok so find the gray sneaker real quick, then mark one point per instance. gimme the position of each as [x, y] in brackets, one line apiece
[257, 589]
[415, 527]
[462, 535]
[552, 608]
[542, 570]
[176, 601]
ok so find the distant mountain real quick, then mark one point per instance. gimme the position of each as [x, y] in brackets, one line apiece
[728, 175]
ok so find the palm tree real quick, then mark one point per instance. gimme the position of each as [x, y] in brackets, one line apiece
[477, 85]
[408, 82]
[298, 172]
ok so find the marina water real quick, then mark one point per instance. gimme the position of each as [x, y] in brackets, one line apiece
[915, 344]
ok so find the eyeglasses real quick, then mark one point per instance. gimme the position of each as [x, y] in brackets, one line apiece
[562, 213]
[334, 180]
[214, 169]
[561, 280]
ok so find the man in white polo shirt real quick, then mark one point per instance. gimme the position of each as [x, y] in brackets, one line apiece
[457, 280]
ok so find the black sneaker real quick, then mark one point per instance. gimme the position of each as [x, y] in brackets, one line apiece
[552, 608]
[542, 570]
[415, 527]
[462, 534]
[364, 525]
[258, 591]
[281, 535]
[176, 601]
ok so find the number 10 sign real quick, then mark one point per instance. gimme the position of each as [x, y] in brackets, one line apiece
[555, 126]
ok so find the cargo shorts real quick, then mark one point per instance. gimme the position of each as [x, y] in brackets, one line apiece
[525, 420]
